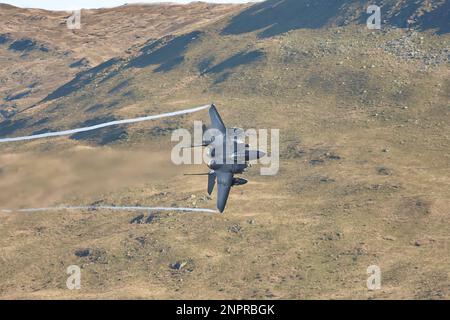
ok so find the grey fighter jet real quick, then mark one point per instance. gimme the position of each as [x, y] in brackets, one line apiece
[228, 154]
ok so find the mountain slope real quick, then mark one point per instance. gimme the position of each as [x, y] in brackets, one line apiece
[364, 139]
[278, 16]
[39, 53]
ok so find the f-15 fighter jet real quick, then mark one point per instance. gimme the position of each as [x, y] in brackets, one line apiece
[229, 155]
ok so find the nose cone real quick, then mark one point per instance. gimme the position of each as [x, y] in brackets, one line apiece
[254, 155]
[221, 203]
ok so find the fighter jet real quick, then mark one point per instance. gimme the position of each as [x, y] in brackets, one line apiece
[228, 155]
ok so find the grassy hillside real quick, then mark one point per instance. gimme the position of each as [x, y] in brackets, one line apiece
[274, 17]
[363, 178]
[38, 53]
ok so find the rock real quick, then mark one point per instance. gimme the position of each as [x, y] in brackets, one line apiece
[326, 180]
[93, 255]
[235, 228]
[141, 240]
[332, 156]
[178, 265]
[205, 198]
[332, 236]
[383, 171]
[137, 219]
[389, 238]
[81, 253]
[314, 162]
[151, 217]
[140, 219]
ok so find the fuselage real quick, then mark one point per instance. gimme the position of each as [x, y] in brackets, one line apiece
[229, 152]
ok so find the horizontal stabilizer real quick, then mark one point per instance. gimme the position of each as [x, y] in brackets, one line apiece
[211, 181]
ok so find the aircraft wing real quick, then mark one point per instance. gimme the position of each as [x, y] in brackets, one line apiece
[224, 183]
[216, 120]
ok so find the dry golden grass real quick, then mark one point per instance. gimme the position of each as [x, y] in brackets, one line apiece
[379, 193]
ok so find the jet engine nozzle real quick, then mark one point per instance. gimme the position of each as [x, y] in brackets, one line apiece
[239, 181]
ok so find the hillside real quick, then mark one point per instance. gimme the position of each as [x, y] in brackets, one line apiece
[364, 159]
[277, 16]
[38, 53]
